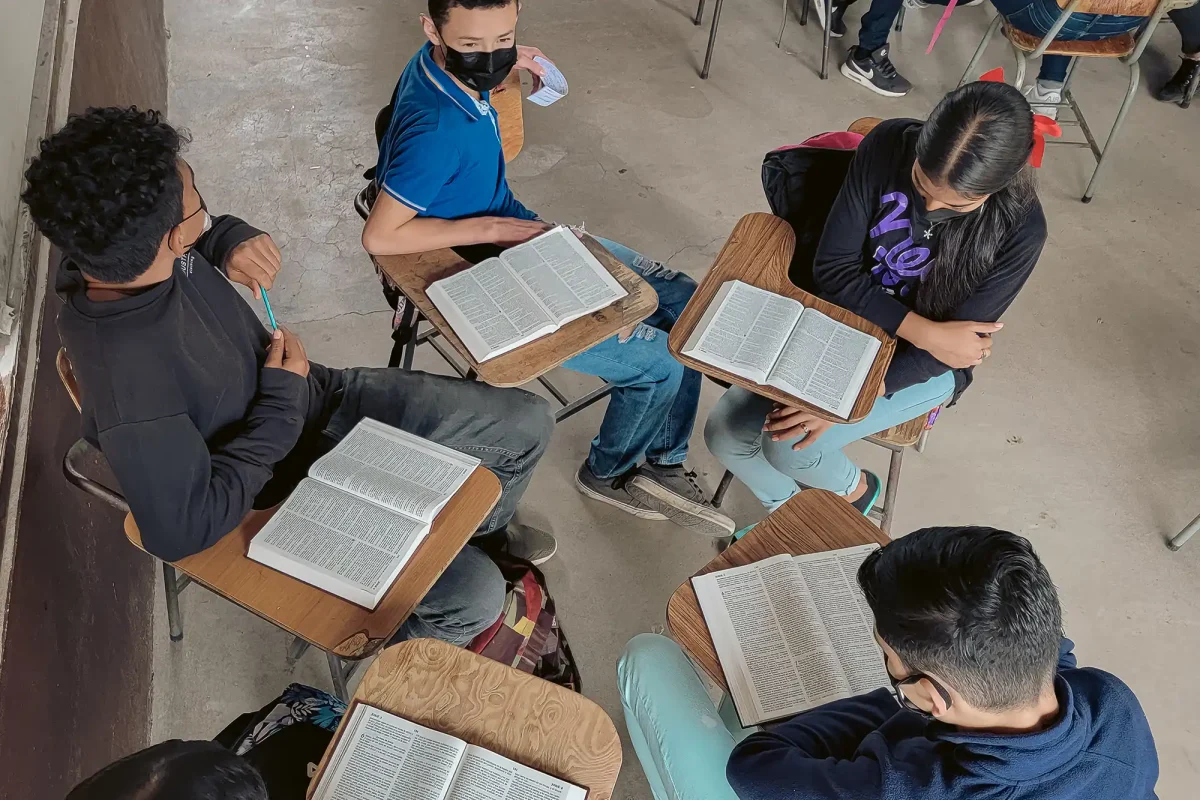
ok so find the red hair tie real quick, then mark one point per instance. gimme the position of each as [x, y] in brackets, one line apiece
[1043, 126]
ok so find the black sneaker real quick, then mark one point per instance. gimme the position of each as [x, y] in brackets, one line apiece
[875, 71]
[1174, 89]
[838, 27]
[865, 503]
[675, 492]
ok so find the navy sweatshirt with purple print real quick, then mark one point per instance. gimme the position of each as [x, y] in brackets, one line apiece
[878, 245]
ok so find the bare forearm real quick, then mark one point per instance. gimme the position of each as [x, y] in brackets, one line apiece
[914, 328]
[422, 234]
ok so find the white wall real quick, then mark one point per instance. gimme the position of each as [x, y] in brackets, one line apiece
[20, 33]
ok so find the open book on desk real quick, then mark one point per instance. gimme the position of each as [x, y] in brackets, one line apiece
[352, 525]
[774, 340]
[384, 757]
[524, 293]
[792, 632]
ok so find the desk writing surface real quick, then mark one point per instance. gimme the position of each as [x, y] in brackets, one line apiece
[758, 252]
[414, 273]
[811, 522]
[326, 620]
[491, 705]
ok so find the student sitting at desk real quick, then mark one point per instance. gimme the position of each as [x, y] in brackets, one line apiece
[988, 700]
[442, 180]
[934, 232]
[200, 412]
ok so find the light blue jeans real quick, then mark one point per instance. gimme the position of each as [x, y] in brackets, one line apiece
[681, 738]
[653, 407]
[775, 472]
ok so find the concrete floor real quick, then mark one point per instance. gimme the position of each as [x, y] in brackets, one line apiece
[1080, 433]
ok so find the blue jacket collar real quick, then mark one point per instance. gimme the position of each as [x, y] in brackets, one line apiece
[442, 82]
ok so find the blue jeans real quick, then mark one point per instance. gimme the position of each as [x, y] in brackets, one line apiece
[775, 472]
[652, 408]
[1038, 16]
[681, 738]
[507, 429]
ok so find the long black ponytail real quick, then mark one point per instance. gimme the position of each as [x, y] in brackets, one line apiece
[977, 142]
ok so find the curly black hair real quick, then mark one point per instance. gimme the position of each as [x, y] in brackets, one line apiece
[106, 188]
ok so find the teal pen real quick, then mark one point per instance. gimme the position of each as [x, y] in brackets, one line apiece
[270, 313]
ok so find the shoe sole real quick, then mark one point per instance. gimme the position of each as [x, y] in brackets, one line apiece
[537, 562]
[681, 511]
[862, 80]
[640, 513]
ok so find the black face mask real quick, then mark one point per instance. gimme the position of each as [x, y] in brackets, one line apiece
[942, 214]
[482, 71]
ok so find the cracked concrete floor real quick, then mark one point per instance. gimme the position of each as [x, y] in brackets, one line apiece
[1081, 433]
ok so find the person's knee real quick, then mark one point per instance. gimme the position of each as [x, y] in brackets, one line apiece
[483, 594]
[655, 366]
[646, 653]
[782, 457]
[531, 421]
[727, 436]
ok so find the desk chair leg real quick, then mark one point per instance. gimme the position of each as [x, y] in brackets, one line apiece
[580, 403]
[825, 38]
[969, 74]
[900, 20]
[1022, 63]
[712, 38]
[893, 487]
[295, 650]
[1191, 91]
[699, 18]
[722, 487]
[403, 335]
[1135, 76]
[172, 589]
[921, 440]
[340, 670]
[1180, 538]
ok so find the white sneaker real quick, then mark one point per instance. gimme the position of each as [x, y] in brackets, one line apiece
[1036, 93]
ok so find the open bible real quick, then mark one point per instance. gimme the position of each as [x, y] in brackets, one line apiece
[774, 340]
[524, 293]
[352, 525]
[383, 757]
[792, 632]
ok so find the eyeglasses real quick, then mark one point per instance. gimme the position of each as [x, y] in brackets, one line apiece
[203, 208]
[902, 698]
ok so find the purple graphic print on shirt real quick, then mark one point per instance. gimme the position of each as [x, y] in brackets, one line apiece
[900, 267]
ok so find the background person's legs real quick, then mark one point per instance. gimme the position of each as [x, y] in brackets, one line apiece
[1187, 21]
[463, 603]
[678, 736]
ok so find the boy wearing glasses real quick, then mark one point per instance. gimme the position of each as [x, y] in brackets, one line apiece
[987, 700]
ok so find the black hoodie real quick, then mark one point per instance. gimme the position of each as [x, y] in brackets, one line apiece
[175, 394]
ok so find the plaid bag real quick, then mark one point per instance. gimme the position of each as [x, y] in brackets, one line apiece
[527, 635]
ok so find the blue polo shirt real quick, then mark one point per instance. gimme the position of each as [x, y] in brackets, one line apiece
[442, 155]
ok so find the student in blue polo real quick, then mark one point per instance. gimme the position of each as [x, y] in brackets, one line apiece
[442, 184]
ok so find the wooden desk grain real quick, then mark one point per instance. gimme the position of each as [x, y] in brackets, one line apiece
[811, 522]
[323, 619]
[758, 252]
[484, 703]
[413, 274]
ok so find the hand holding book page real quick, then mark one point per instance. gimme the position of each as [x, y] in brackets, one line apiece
[524, 293]
[792, 633]
[353, 524]
[775, 340]
[383, 757]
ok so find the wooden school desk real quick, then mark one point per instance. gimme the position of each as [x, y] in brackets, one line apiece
[488, 704]
[758, 252]
[811, 522]
[342, 629]
[413, 274]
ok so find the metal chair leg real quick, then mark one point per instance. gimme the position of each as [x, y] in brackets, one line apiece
[722, 487]
[804, 11]
[296, 649]
[699, 18]
[899, 21]
[825, 38]
[712, 38]
[892, 489]
[1193, 85]
[171, 587]
[1135, 75]
[921, 440]
[340, 670]
[403, 335]
[782, 24]
[1022, 63]
[1178, 540]
[969, 74]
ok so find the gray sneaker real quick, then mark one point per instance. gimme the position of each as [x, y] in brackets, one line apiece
[533, 545]
[614, 492]
[675, 492]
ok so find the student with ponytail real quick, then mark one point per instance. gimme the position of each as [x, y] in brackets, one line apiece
[936, 229]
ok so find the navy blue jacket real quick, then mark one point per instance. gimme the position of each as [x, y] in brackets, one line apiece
[867, 747]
